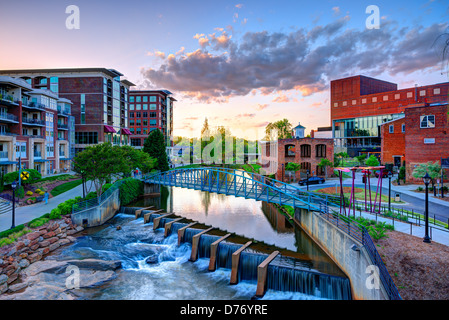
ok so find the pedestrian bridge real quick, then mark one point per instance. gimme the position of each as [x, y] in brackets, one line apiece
[240, 183]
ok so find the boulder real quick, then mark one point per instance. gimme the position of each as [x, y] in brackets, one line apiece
[152, 259]
[54, 246]
[3, 279]
[24, 263]
[17, 287]
[35, 257]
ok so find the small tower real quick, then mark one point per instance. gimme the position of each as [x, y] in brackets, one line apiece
[298, 131]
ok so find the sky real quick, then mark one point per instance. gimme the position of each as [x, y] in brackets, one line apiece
[241, 64]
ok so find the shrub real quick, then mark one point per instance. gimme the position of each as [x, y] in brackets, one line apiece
[42, 193]
[20, 192]
[130, 189]
[29, 193]
[38, 222]
[55, 214]
[37, 190]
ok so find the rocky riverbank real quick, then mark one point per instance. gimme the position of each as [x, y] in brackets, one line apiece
[26, 274]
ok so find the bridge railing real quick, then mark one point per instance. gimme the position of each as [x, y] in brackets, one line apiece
[87, 204]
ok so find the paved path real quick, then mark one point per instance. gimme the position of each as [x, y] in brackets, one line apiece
[28, 213]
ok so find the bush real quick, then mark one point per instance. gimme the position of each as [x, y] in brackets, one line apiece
[20, 192]
[38, 222]
[37, 190]
[55, 214]
[42, 193]
[130, 189]
[29, 193]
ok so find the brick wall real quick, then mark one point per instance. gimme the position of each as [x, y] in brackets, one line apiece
[392, 144]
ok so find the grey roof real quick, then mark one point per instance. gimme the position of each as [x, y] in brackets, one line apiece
[299, 126]
[16, 81]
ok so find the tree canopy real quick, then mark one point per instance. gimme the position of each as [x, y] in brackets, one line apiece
[154, 145]
[283, 128]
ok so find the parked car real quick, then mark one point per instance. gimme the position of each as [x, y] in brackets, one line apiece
[384, 174]
[312, 180]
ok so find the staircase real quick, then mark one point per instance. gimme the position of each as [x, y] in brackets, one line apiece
[5, 206]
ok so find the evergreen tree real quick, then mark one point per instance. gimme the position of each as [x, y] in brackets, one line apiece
[154, 145]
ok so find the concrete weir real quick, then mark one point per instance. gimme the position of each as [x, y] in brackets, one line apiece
[168, 226]
[139, 211]
[235, 263]
[262, 274]
[213, 252]
[146, 216]
[182, 230]
[195, 241]
[157, 220]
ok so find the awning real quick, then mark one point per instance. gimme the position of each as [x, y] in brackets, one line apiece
[65, 159]
[109, 129]
[41, 160]
[4, 163]
[126, 131]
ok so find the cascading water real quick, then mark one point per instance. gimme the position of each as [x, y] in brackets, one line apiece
[248, 265]
[224, 254]
[204, 245]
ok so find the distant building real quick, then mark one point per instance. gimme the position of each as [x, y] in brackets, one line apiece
[298, 131]
[148, 111]
[322, 133]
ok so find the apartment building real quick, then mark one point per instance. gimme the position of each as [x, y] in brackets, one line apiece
[36, 127]
[99, 98]
[360, 105]
[148, 111]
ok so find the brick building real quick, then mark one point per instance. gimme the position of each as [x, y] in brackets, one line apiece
[422, 135]
[148, 111]
[99, 97]
[360, 105]
[307, 152]
[36, 127]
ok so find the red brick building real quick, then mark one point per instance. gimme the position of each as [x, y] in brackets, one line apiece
[359, 105]
[307, 152]
[421, 136]
[148, 111]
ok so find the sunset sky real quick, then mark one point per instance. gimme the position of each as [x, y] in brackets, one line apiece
[240, 64]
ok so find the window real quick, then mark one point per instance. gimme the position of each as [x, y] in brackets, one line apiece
[138, 99]
[137, 114]
[385, 98]
[152, 114]
[145, 99]
[321, 151]
[397, 96]
[131, 107]
[153, 122]
[427, 121]
[137, 106]
[345, 103]
[436, 91]
[354, 102]
[364, 100]
[145, 107]
[131, 99]
[374, 99]
[138, 130]
[86, 137]
[391, 128]
[422, 93]
[153, 107]
[410, 94]
[145, 122]
[336, 104]
[153, 99]
[131, 122]
[145, 114]
[131, 114]
[305, 150]
[403, 127]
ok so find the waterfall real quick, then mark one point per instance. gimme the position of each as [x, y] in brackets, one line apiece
[282, 278]
[189, 233]
[224, 254]
[164, 221]
[175, 226]
[204, 245]
[129, 210]
[155, 215]
[248, 265]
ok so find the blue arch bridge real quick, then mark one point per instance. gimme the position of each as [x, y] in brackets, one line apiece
[240, 183]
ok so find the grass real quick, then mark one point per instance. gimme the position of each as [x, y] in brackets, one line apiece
[65, 187]
[359, 194]
[248, 168]
[11, 238]
[61, 177]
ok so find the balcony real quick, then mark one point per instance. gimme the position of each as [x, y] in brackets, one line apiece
[8, 100]
[33, 122]
[37, 154]
[34, 136]
[64, 113]
[61, 154]
[33, 105]
[7, 117]
[62, 126]
[4, 155]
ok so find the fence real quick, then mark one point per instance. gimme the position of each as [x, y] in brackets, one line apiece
[360, 233]
[87, 204]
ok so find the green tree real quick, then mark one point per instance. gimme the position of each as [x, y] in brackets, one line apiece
[372, 161]
[99, 163]
[154, 145]
[291, 166]
[341, 156]
[432, 168]
[361, 158]
[324, 163]
[283, 127]
[14, 176]
[135, 158]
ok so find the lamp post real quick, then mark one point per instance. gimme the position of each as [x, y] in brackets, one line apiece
[307, 180]
[389, 190]
[426, 180]
[13, 186]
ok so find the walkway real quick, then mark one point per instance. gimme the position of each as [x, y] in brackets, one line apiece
[28, 213]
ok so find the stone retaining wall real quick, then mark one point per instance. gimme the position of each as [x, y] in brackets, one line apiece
[33, 247]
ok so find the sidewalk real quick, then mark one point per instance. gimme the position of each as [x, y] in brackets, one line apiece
[28, 213]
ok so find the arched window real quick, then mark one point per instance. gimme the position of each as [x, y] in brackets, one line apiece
[290, 150]
[320, 151]
[306, 150]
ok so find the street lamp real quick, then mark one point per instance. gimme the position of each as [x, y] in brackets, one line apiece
[426, 180]
[13, 186]
[389, 190]
[307, 180]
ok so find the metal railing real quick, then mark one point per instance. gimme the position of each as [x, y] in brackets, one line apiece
[361, 234]
[8, 116]
[3, 154]
[33, 121]
[94, 202]
[63, 126]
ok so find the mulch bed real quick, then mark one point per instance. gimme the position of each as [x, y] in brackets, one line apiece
[419, 270]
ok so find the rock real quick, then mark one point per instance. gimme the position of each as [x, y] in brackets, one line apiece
[70, 232]
[79, 228]
[33, 243]
[44, 244]
[41, 239]
[12, 278]
[63, 225]
[20, 245]
[49, 235]
[3, 288]
[98, 265]
[57, 231]
[35, 257]
[54, 246]
[63, 242]
[3, 279]
[35, 247]
[1, 262]
[33, 235]
[26, 242]
[44, 251]
[96, 278]
[17, 287]
[53, 226]
[53, 240]
[11, 252]
[47, 266]
[152, 259]
[23, 255]
[62, 235]
[71, 239]
[24, 263]
[118, 228]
